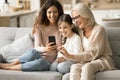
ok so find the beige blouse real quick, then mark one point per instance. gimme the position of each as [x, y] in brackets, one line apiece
[98, 47]
[42, 38]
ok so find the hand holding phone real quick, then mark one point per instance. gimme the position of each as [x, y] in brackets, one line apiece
[52, 39]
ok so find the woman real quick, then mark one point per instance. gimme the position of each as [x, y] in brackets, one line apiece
[43, 53]
[95, 49]
[71, 41]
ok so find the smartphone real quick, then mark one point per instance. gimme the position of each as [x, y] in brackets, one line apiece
[52, 39]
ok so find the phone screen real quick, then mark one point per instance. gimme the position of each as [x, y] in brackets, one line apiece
[52, 39]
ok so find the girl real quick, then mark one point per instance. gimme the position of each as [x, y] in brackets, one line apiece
[71, 44]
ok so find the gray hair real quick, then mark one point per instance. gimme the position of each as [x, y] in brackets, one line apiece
[85, 12]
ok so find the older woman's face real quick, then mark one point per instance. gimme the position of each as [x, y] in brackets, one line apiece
[79, 20]
[52, 14]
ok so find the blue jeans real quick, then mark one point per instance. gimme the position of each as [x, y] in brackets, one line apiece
[63, 67]
[31, 60]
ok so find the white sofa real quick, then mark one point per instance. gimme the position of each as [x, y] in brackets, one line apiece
[18, 40]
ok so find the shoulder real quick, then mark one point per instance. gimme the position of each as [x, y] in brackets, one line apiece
[76, 38]
[98, 28]
[38, 28]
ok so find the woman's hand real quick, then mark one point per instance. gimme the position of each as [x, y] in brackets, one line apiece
[60, 59]
[49, 47]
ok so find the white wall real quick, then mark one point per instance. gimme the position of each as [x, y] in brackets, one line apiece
[35, 4]
[109, 14]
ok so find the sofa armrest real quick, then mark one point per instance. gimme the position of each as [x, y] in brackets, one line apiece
[1, 58]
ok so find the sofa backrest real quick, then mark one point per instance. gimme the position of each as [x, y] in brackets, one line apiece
[9, 34]
[114, 39]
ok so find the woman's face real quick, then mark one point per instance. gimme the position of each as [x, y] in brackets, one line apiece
[65, 29]
[52, 14]
[79, 20]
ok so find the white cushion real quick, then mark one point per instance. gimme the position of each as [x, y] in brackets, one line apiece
[21, 32]
[4, 42]
[18, 47]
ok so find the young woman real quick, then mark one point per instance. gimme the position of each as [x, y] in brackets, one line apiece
[71, 44]
[43, 54]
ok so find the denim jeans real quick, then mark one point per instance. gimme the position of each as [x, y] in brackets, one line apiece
[31, 60]
[63, 67]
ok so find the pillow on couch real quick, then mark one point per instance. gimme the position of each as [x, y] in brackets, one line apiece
[18, 47]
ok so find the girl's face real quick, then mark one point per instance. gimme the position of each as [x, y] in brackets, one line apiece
[79, 21]
[52, 14]
[65, 29]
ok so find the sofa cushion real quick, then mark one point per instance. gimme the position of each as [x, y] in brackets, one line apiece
[108, 75]
[21, 32]
[103, 75]
[19, 75]
[15, 49]
[114, 39]
[7, 35]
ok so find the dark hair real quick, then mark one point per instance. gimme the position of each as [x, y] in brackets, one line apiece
[42, 18]
[67, 18]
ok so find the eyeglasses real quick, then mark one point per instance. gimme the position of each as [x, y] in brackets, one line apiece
[76, 17]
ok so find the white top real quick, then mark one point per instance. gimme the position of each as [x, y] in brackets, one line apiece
[85, 42]
[72, 45]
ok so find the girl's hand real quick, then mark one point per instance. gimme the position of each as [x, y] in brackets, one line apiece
[63, 51]
[60, 59]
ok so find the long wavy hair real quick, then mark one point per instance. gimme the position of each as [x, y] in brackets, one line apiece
[42, 18]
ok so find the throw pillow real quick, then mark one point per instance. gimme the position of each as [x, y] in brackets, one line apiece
[18, 47]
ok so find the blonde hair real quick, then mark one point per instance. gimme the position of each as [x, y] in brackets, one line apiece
[85, 12]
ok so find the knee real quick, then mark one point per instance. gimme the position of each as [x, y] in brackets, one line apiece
[34, 52]
[43, 63]
[74, 68]
[31, 50]
[63, 68]
[87, 67]
[53, 66]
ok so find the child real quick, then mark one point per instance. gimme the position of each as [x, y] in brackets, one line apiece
[71, 44]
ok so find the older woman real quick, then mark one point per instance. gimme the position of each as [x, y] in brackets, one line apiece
[95, 49]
